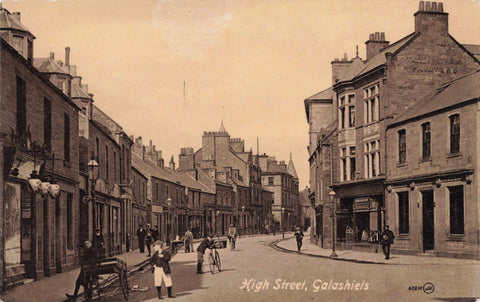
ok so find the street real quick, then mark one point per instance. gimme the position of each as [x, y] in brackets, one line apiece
[257, 272]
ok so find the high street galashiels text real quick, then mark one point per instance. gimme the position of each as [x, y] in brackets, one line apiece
[316, 286]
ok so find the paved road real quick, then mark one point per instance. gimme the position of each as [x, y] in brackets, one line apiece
[269, 274]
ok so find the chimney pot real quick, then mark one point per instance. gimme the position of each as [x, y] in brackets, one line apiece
[52, 56]
[421, 6]
[67, 56]
[372, 36]
[440, 7]
[17, 16]
[345, 57]
[434, 6]
[382, 36]
[151, 144]
[428, 6]
[377, 36]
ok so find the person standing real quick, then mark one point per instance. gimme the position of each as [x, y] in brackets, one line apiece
[89, 257]
[141, 234]
[387, 240]
[149, 240]
[188, 241]
[232, 236]
[299, 236]
[161, 268]
[206, 243]
[98, 243]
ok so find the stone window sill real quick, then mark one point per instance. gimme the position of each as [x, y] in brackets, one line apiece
[457, 238]
[453, 155]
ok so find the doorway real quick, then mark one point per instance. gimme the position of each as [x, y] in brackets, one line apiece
[428, 221]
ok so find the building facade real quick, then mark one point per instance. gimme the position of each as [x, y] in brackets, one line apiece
[367, 95]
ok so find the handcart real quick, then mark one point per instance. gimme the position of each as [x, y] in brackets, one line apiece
[103, 275]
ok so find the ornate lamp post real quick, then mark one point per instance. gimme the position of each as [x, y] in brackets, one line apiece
[92, 168]
[332, 213]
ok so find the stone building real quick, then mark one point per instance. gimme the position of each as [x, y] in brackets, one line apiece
[367, 95]
[282, 180]
[39, 130]
[432, 182]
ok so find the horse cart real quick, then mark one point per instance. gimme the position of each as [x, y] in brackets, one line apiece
[103, 275]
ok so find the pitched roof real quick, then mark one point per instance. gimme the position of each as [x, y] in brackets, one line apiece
[78, 92]
[324, 96]
[291, 168]
[473, 49]
[9, 21]
[48, 65]
[354, 71]
[455, 92]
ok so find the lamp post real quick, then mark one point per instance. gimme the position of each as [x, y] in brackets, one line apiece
[92, 168]
[217, 212]
[169, 219]
[282, 223]
[332, 208]
[243, 219]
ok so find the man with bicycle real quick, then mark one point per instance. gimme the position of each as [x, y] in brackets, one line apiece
[208, 242]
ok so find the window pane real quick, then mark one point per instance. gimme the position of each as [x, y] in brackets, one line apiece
[402, 146]
[455, 133]
[426, 140]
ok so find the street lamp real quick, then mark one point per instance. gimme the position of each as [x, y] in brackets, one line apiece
[283, 223]
[92, 168]
[243, 220]
[169, 219]
[217, 212]
[332, 204]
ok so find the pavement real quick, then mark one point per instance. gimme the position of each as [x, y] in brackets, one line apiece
[310, 249]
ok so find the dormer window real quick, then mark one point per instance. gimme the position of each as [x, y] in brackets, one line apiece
[18, 43]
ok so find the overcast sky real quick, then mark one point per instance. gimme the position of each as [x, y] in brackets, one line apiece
[252, 62]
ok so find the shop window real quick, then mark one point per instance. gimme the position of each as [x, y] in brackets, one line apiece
[403, 218]
[426, 140]
[456, 210]
[455, 133]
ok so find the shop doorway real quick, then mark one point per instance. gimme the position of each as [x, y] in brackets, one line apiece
[428, 222]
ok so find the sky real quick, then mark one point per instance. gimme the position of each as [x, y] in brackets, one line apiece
[168, 70]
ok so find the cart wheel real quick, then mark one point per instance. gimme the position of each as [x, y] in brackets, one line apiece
[217, 261]
[211, 263]
[124, 285]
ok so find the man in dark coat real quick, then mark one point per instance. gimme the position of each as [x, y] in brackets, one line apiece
[141, 234]
[149, 240]
[89, 257]
[161, 268]
[208, 242]
[98, 244]
[299, 236]
[386, 240]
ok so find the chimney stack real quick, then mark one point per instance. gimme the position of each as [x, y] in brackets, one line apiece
[67, 56]
[375, 44]
[431, 18]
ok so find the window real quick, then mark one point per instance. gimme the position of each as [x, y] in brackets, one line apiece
[346, 111]
[21, 107]
[97, 149]
[107, 168]
[371, 104]
[455, 133]
[402, 146]
[115, 165]
[270, 181]
[66, 138]
[426, 140]
[456, 210]
[403, 212]
[18, 43]
[70, 221]
[372, 159]
[47, 124]
[347, 163]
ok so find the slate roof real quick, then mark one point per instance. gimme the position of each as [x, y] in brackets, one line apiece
[324, 96]
[473, 49]
[355, 71]
[9, 21]
[291, 168]
[47, 65]
[78, 92]
[455, 92]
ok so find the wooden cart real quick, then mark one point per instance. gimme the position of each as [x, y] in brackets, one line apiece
[113, 272]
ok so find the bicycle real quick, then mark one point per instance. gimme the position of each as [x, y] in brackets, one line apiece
[214, 260]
